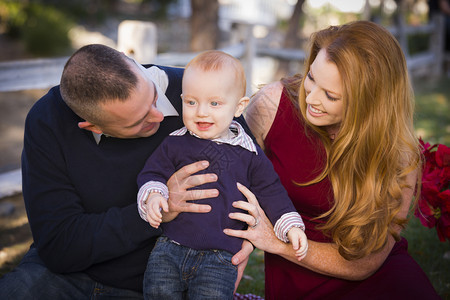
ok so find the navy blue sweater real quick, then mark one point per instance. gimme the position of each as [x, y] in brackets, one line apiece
[81, 197]
[232, 164]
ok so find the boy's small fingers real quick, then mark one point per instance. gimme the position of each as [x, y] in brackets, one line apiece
[155, 224]
[165, 206]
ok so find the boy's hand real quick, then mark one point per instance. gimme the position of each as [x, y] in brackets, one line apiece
[155, 203]
[299, 242]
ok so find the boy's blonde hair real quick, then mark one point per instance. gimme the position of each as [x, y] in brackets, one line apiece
[215, 60]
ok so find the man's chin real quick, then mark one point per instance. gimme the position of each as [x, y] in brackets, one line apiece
[150, 132]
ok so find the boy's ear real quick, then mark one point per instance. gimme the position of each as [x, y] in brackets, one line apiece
[89, 126]
[242, 104]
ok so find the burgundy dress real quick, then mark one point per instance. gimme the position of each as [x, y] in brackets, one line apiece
[298, 158]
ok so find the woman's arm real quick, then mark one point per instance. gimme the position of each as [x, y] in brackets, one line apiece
[262, 109]
[322, 258]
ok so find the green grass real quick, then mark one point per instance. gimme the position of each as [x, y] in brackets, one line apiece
[432, 120]
[253, 280]
[432, 123]
[425, 247]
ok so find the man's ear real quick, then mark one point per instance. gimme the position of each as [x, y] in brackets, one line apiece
[89, 126]
[242, 104]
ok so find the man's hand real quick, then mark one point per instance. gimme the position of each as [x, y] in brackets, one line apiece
[241, 259]
[182, 180]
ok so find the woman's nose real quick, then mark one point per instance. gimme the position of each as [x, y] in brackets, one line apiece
[312, 96]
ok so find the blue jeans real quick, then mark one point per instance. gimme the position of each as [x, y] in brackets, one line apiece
[32, 280]
[178, 272]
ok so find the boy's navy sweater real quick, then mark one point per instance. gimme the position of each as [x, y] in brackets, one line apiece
[232, 164]
[80, 196]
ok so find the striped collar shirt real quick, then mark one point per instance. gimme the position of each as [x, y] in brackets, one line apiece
[240, 137]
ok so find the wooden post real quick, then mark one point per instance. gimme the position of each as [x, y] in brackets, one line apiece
[249, 56]
[437, 43]
[367, 12]
[400, 23]
[243, 34]
[138, 39]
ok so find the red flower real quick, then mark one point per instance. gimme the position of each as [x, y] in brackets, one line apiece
[443, 156]
[433, 207]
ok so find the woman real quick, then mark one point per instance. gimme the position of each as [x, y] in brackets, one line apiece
[341, 139]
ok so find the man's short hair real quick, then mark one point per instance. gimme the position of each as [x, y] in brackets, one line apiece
[96, 74]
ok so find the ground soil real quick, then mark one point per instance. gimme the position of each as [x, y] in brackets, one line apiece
[14, 107]
[15, 234]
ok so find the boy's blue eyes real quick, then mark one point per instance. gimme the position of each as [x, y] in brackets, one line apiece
[212, 103]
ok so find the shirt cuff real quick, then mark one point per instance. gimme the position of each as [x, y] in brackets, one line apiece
[285, 223]
[145, 190]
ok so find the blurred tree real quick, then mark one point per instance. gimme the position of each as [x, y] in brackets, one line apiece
[90, 11]
[42, 28]
[158, 8]
[400, 23]
[204, 25]
[292, 37]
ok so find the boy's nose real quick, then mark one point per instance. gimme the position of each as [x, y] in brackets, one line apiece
[202, 110]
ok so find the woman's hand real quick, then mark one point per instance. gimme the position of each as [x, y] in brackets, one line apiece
[182, 180]
[322, 257]
[260, 231]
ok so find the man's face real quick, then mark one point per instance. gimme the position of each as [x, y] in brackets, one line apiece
[135, 117]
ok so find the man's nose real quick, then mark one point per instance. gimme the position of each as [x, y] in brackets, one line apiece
[155, 115]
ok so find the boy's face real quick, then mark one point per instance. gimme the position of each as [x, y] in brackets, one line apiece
[210, 101]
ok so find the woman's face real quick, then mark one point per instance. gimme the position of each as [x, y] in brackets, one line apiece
[323, 87]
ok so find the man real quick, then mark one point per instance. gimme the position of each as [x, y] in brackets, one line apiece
[85, 142]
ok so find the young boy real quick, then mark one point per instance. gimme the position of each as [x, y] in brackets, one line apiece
[192, 259]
